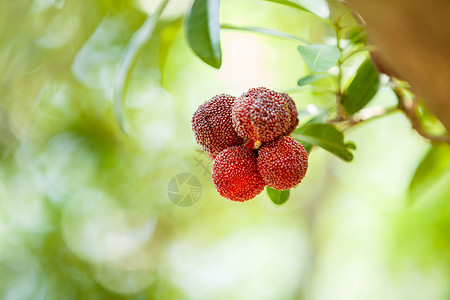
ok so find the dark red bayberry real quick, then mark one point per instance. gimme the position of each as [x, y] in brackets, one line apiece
[293, 111]
[212, 125]
[261, 115]
[235, 175]
[282, 163]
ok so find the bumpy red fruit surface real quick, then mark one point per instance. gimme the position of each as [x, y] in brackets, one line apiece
[261, 115]
[293, 111]
[212, 125]
[282, 163]
[235, 174]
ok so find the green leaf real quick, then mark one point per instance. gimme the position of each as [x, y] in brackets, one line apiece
[277, 197]
[311, 79]
[266, 31]
[308, 147]
[317, 7]
[289, 3]
[357, 35]
[326, 136]
[350, 145]
[319, 57]
[433, 165]
[362, 89]
[128, 62]
[203, 31]
[59, 4]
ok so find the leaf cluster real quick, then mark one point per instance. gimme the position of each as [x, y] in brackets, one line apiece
[325, 61]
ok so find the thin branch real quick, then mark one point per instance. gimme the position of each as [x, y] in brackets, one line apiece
[364, 116]
[409, 108]
[370, 114]
[339, 96]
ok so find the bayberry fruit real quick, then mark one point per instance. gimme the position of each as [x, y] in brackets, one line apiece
[235, 175]
[261, 115]
[212, 125]
[293, 111]
[282, 163]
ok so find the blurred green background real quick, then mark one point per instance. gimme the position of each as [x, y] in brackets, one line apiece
[85, 211]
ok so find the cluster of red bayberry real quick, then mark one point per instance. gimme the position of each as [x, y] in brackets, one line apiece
[248, 140]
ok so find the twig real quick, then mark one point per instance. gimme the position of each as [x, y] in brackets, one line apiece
[371, 113]
[340, 109]
[364, 116]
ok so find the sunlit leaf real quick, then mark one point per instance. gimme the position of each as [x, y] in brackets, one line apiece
[319, 57]
[203, 31]
[311, 79]
[326, 136]
[277, 197]
[362, 89]
[317, 7]
[266, 31]
[432, 166]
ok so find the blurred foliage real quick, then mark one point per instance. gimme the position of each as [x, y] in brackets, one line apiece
[84, 211]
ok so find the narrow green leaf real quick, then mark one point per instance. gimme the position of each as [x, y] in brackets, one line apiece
[311, 79]
[362, 89]
[203, 31]
[277, 197]
[289, 3]
[432, 166]
[59, 4]
[317, 7]
[266, 31]
[326, 136]
[128, 62]
[319, 57]
[170, 30]
[357, 35]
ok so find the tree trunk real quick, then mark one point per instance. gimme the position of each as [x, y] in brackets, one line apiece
[413, 38]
